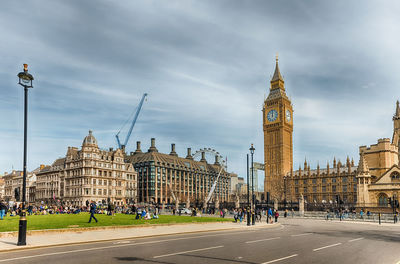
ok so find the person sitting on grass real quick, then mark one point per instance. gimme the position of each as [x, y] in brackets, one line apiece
[137, 215]
[143, 213]
[155, 215]
[147, 216]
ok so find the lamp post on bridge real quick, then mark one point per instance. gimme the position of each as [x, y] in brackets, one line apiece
[25, 80]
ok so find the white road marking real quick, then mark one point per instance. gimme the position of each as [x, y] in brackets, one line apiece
[63, 252]
[116, 244]
[305, 234]
[189, 251]
[266, 239]
[276, 260]
[356, 239]
[333, 245]
[122, 242]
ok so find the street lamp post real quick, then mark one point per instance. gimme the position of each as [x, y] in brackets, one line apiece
[25, 80]
[252, 185]
[248, 192]
[284, 190]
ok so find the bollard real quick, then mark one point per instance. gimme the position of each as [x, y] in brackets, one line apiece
[379, 218]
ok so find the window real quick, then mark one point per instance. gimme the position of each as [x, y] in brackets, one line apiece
[323, 180]
[305, 189]
[296, 190]
[333, 180]
[304, 182]
[314, 189]
[333, 188]
[314, 181]
[383, 200]
[344, 188]
[344, 179]
[296, 182]
[323, 189]
[395, 176]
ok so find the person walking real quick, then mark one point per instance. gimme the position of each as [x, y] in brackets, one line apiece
[92, 211]
[3, 209]
[276, 216]
[235, 215]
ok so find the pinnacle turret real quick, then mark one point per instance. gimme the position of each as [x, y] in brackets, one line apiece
[362, 165]
[277, 79]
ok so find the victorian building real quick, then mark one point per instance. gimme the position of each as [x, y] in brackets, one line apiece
[13, 185]
[168, 178]
[88, 174]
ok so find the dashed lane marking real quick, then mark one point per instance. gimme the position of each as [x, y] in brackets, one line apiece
[356, 239]
[259, 240]
[304, 234]
[122, 242]
[333, 245]
[188, 251]
[276, 260]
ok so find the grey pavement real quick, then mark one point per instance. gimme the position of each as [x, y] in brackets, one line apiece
[60, 237]
[295, 241]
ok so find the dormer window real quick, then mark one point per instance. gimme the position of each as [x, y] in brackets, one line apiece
[395, 176]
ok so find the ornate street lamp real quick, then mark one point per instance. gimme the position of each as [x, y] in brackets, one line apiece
[252, 186]
[25, 80]
[248, 192]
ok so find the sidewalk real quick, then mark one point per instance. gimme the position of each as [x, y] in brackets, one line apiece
[53, 237]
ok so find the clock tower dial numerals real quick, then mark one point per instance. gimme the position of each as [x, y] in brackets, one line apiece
[288, 115]
[272, 115]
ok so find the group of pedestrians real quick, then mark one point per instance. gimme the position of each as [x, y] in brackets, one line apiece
[241, 214]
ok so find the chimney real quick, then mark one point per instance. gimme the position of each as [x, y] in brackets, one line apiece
[203, 157]
[153, 146]
[173, 153]
[216, 160]
[138, 150]
[189, 154]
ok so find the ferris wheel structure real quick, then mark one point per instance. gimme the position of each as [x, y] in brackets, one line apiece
[211, 154]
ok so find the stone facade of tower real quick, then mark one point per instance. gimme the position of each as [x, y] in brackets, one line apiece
[278, 137]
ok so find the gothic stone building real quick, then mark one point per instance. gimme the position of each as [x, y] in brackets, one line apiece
[162, 177]
[371, 184]
[278, 136]
[88, 174]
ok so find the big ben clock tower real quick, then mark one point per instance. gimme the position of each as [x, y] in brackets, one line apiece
[278, 137]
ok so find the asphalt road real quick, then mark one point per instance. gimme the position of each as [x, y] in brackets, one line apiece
[296, 241]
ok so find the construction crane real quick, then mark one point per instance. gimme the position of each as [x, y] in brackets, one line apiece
[121, 146]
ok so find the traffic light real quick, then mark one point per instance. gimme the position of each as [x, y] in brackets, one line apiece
[16, 194]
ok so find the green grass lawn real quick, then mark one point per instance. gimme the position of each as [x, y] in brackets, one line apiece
[37, 222]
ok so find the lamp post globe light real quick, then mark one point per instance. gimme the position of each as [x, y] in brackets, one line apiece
[25, 80]
[253, 214]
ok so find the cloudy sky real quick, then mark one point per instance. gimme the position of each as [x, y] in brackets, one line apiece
[206, 66]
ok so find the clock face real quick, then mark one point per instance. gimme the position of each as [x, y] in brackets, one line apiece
[272, 115]
[288, 115]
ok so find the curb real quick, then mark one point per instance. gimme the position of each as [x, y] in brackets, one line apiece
[83, 229]
[124, 238]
